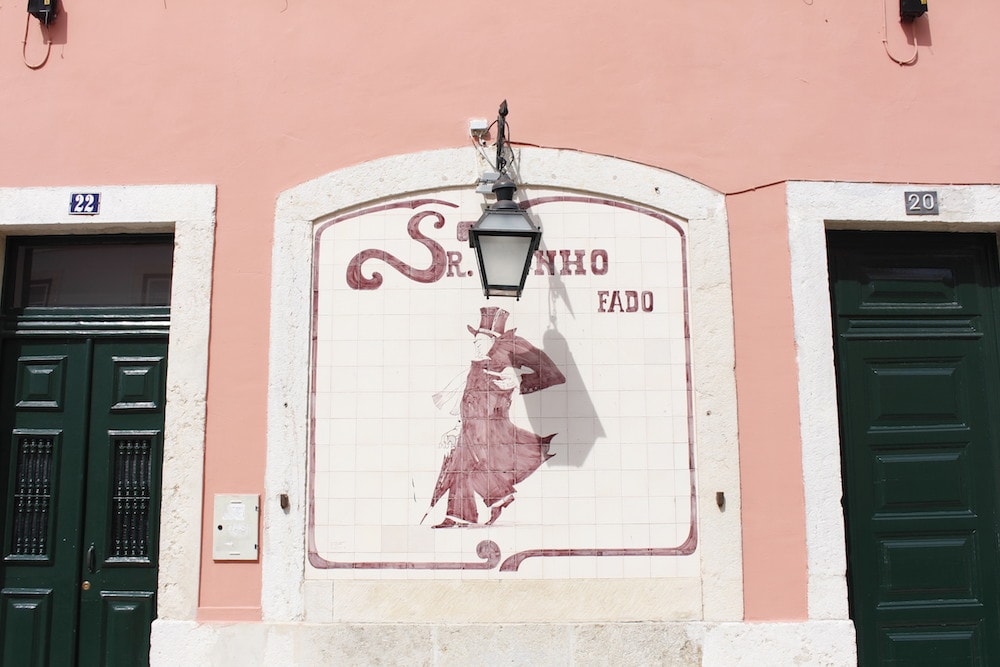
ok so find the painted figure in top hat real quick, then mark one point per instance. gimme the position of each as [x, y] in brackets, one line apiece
[491, 454]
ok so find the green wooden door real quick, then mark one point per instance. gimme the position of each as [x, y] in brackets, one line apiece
[915, 320]
[80, 463]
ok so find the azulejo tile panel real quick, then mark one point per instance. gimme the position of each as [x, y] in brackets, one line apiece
[454, 436]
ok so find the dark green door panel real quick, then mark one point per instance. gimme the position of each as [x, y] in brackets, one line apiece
[80, 462]
[27, 616]
[122, 636]
[43, 453]
[123, 500]
[915, 322]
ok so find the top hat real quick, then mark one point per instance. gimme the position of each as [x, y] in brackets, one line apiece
[492, 320]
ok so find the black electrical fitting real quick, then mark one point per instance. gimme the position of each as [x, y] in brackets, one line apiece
[44, 10]
[911, 9]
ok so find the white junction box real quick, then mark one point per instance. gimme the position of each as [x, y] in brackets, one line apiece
[478, 127]
[235, 526]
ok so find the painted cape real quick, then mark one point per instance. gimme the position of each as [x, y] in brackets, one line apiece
[492, 454]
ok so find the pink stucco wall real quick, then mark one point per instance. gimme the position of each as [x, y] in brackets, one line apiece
[770, 447]
[258, 97]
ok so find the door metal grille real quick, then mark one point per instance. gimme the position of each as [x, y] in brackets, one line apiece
[32, 496]
[130, 502]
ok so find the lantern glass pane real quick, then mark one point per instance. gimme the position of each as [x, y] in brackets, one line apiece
[504, 258]
[505, 221]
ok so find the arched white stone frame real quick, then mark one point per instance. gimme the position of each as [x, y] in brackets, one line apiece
[187, 211]
[285, 595]
[814, 207]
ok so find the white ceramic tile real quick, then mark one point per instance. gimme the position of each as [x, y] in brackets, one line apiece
[635, 483]
[610, 568]
[555, 483]
[340, 484]
[395, 510]
[394, 540]
[664, 534]
[682, 509]
[373, 405]
[663, 482]
[338, 404]
[341, 513]
[338, 539]
[636, 567]
[605, 328]
[368, 512]
[322, 430]
[582, 512]
[367, 485]
[343, 458]
[608, 456]
[368, 458]
[634, 458]
[342, 431]
[660, 456]
[682, 458]
[582, 568]
[582, 484]
[555, 513]
[658, 403]
[368, 534]
[635, 512]
[663, 567]
[528, 511]
[608, 490]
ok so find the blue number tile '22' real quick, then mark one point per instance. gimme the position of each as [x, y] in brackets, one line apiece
[85, 203]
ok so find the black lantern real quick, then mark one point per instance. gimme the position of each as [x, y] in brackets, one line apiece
[504, 238]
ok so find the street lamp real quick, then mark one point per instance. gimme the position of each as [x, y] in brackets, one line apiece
[504, 238]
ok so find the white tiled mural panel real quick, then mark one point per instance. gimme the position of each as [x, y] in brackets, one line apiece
[432, 406]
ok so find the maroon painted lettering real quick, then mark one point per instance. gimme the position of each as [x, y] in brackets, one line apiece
[577, 262]
[455, 264]
[624, 301]
[602, 300]
[571, 262]
[647, 302]
[431, 274]
[599, 269]
[616, 301]
[631, 301]
[545, 259]
[462, 230]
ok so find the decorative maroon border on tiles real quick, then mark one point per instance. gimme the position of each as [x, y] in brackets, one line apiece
[513, 562]
[487, 549]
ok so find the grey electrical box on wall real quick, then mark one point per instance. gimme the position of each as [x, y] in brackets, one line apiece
[235, 526]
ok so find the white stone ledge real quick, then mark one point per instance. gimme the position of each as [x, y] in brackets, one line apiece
[814, 643]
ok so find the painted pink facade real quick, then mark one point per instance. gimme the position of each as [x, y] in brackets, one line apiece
[258, 98]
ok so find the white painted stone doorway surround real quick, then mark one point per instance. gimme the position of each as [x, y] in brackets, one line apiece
[188, 212]
[814, 207]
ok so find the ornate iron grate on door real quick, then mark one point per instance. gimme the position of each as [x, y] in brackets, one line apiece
[32, 497]
[130, 502]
